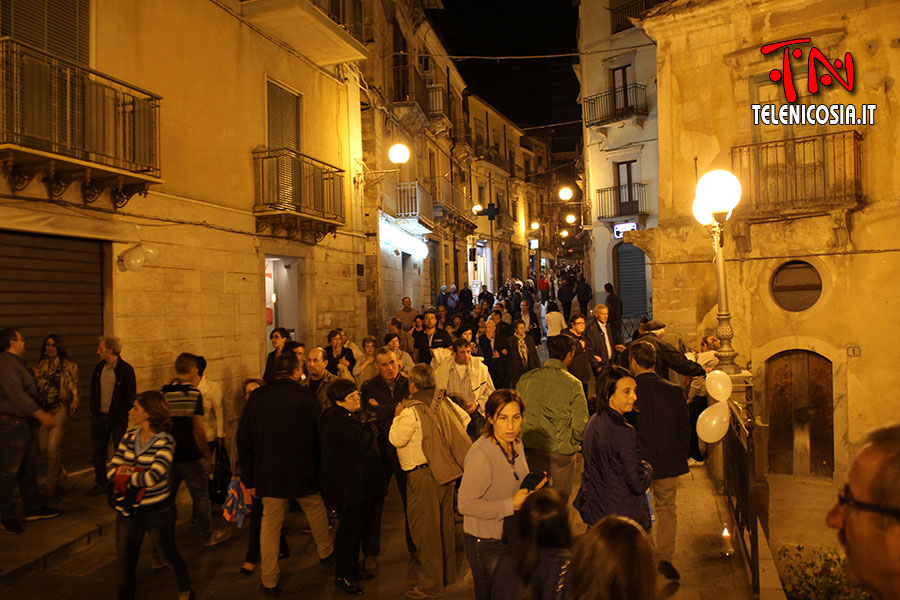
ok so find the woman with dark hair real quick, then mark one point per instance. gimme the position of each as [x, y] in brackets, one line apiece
[535, 568]
[491, 490]
[353, 478]
[555, 320]
[614, 559]
[392, 341]
[279, 336]
[465, 332]
[252, 557]
[615, 479]
[139, 479]
[57, 382]
[337, 354]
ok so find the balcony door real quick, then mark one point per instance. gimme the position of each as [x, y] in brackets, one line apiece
[620, 88]
[625, 174]
[283, 135]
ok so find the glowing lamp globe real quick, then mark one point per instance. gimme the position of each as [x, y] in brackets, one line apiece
[477, 208]
[570, 219]
[398, 154]
[564, 233]
[566, 193]
[535, 225]
[718, 191]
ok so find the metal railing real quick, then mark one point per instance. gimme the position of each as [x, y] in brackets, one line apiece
[462, 132]
[615, 104]
[414, 202]
[53, 105]
[346, 13]
[449, 198]
[741, 492]
[634, 9]
[288, 180]
[438, 101]
[409, 86]
[622, 201]
[493, 156]
[801, 175]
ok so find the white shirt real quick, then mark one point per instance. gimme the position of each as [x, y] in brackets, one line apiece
[555, 323]
[213, 412]
[406, 436]
[605, 331]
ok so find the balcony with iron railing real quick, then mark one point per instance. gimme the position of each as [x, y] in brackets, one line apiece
[415, 209]
[69, 123]
[615, 105]
[326, 31]
[462, 132]
[633, 9]
[451, 203]
[493, 155]
[622, 202]
[410, 88]
[438, 102]
[290, 182]
[801, 176]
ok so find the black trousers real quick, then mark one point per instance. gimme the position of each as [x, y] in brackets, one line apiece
[101, 433]
[391, 465]
[355, 523]
[159, 521]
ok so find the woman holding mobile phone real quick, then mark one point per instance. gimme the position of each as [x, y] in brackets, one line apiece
[490, 490]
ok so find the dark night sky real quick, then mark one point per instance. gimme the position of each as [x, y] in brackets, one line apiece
[530, 92]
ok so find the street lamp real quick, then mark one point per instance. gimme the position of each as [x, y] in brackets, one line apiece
[477, 208]
[564, 233]
[718, 193]
[398, 154]
[566, 193]
[570, 219]
[535, 225]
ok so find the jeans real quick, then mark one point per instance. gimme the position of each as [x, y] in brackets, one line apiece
[18, 463]
[483, 555]
[159, 521]
[101, 432]
[193, 473]
[50, 438]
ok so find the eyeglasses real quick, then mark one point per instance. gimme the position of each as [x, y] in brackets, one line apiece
[845, 498]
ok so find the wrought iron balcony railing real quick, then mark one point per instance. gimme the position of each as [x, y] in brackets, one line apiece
[346, 13]
[55, 106]
[438, 102]
[289, 181]
[616, 104]
[622, 201]
[634, 9]
[493, 156]
[409, 87]
[462, 132]
[414, 205]
[450, 201]
[799, 176]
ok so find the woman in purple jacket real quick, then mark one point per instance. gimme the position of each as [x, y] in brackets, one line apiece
[615, 480]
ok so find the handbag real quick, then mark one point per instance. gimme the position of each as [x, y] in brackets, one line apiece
[221, 477]
[121, 495]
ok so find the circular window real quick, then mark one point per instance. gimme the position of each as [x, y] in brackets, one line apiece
[796, 285]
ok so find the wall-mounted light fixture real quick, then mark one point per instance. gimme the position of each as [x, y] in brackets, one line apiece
[135, 257]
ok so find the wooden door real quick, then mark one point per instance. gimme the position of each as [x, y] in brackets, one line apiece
[800, 402]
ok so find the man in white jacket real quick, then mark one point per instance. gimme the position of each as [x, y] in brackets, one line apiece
[462, 375]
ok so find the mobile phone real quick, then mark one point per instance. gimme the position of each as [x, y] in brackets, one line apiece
[532, 480]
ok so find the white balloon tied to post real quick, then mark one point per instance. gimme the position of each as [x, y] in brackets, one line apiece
[713, 423]
[718, 385]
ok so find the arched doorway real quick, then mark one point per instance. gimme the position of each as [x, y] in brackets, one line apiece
[630, 280]
[800, 402]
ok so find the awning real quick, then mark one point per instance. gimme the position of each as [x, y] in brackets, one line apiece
[34, 217]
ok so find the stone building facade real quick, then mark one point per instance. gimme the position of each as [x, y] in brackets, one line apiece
[810, 253]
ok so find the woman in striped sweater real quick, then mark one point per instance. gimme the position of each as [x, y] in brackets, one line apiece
[148, 448]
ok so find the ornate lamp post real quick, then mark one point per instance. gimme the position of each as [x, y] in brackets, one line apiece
[718, 193]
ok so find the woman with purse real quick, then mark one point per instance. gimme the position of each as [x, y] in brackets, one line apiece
[490, 490]
[139, 489]
[57, 382]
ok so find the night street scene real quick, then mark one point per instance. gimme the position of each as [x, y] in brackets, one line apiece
[534, 300]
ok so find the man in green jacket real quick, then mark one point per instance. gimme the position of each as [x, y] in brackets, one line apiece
[555, 415]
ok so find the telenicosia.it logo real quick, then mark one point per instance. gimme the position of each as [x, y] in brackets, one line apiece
[820, 71]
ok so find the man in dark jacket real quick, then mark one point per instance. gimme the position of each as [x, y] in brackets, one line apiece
[430, 337]
[113, 389]
[521, 354]
[667, 356]
[380, 396]
[614, 304]
[602, 341]
[663, 426]
[278, 448]
[465, 299]
[566, 293]
[486, 296]
[581, 364]
[584, 293]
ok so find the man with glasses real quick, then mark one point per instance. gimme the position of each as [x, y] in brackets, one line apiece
[581, 364]
[867, 515]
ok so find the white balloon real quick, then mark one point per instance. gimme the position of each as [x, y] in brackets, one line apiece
[713, 423]
[718, 385]
[133, 258]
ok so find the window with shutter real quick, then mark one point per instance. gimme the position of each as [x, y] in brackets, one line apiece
[283, 118]
[60, 27]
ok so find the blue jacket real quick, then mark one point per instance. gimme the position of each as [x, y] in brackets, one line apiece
[615, 479]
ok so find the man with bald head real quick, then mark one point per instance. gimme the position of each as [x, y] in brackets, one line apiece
[867, 515]
[320, 378]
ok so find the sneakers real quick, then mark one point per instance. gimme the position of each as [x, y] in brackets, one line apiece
[668, 570]
[11, 526]
[43, 512]
[218, 536]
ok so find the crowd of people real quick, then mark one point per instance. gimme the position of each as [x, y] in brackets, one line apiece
[452, 404]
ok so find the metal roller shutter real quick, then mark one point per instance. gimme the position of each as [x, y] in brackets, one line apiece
[631, 273]
[54, 285]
